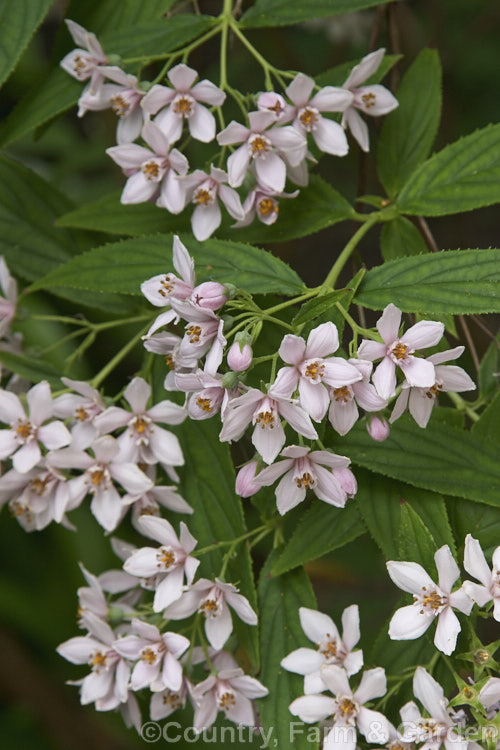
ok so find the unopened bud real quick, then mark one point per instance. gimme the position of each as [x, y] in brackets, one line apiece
[115, 616]
[347, 480]
[481, 656]
[210, 295]
[239, 356]
[230, 380]
[114, 59]
[378, 428]
[245, 486]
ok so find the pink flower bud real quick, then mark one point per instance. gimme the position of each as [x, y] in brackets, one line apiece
[245, 486]
[239, 358]
[210, 295]
[347, 481]
[378, 428]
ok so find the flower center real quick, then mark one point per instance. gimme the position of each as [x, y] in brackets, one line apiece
[342, 394]
[97, 660]
[183, 105]
[259, 145]
[151, 169]
[314, 371]
[400, 350]
[172, 699]
[169, 361]
[308, 117]
[81, 414]
[204, 403]
[166, 558]
[119, 105]
[329, 649]
[79, 65]
[194, 333]
[267, 206]
[24, 430]
[140, 424]
[433, 391]
[306, 480]
[209, 607]
[39, 485]
[148, 655]
[203, 197]
[347, 708]
[227, 701]
[97, 477]
[265, 419]
[432, 601]
[368, 99]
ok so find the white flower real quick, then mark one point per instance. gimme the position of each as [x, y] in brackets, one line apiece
[263, 203]
[399, 351]
[304, 469]
[84, 62]
[230, 691]
[270, 101]
[213, 599]
[475, 564]
[328, 134]
[205, 191]
[183, 103]
[330, 647]
[430, 601]
[157, 656]
[372, 100]
[346, 709]
[152, 172]
[343, 411]
[161, 289]
[438, 728]
[82, 409]
[166, 565]
[167, 701]
[25, 433]
[421, 401]
[489, 694]
[36, 497]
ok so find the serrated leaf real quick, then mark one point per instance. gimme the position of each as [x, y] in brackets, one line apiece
[452, 281]
[408, 132]
[122, 266]
[441, 458]
[489, 370]
[379, 503]
[317, 306]
[322, 529]
[18, 22]
[400, 238]
[463, 176]
[287, 12]
[33, 370]
[416, 542]
[155, 39]
[208, 486]
[481, 521]
[317, 206]
[337, 75]
[281, 633]
[488, 425]
[431, 508]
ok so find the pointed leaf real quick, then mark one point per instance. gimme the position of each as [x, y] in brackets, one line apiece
[18, 22]
[400, 238]
[286, 12]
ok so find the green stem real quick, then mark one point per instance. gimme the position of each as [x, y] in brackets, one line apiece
[64, 340]
[357, 329]
[462, 405]
[294, 301]
[107, 369]
[346, 253]
[255, 53]
[230, 542]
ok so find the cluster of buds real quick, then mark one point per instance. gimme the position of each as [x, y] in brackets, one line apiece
[272, 150]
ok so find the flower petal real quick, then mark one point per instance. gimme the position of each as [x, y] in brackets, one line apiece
[409, 576]
[330, 137]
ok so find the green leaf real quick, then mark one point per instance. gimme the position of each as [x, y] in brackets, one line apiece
[33, 370]
[337, 75]
[18, 22]
[322, 529]
[463, 176]
[317, 206]
[431, 508]
[489, 370]
[408, 132]
[122, 266]
[452, 281]
[395, 656]
[317, 306]
[440, 458]
[208, 486]
[281, 633]
[155, 39]
[379, 502]
[416, 542]
[107, 15]
[488, 425]
[481, 521]
[401, 238]
[287, 12]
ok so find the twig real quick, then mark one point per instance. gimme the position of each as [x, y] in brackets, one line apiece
[470, 342]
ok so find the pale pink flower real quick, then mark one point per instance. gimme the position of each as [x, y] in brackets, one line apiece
[86, 61]
[210, 295]
[475, 564]
[203, 336]
[144, 441]
[164, 703]
[270, 101]
[152, 501]
[313, 369]
[8, 302]
[99, 475]
[346, 708]
[398, 351]
[330, 647]
[239, 356]
[345, 400]
[36, 497]
[205, 191]
[489, 694]
[265, 412]
[264, 144]
[347, 481]
[81, 408]
[230, 691]
[25, 433]
[123, 97]
[156, 655]
[430, 601]
[304, 469]
[162, 288]
[110, 673]
[438, 727]
[212, 599]
[209, 395]
[372, 100]
[378, 428]
[421, 401]
[182, 102]
[153, 173]
[263, 203]
[328, 134]
[167, 565]
[245, 484]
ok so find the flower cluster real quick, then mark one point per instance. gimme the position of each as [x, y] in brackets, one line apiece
[270, 149]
